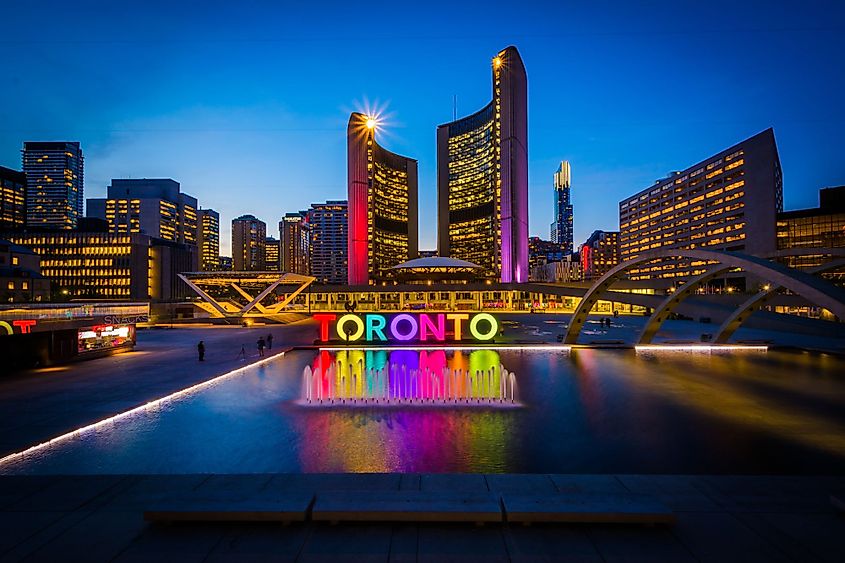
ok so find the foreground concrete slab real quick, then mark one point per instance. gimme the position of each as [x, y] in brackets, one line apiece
[406, 506]
[587, 508]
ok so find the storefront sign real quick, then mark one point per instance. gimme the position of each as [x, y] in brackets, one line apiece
[22, 326]
[406, 327]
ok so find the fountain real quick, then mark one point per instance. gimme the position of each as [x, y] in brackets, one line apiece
[353, 378]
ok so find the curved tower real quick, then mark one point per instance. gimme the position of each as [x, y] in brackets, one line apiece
[482, 178]
[382, 205]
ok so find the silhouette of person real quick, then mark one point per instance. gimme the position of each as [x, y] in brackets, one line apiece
[201, 351]
[261, 347]
[242, 353]
[269, 341]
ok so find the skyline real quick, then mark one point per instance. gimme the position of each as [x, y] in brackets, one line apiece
[194, 90]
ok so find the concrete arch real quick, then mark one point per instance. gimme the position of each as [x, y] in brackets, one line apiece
[811, 288]
[741, 313]
[668, 305]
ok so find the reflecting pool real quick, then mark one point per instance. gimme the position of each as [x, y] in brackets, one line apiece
[584, 411]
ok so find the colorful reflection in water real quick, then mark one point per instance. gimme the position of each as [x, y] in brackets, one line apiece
[408, 377]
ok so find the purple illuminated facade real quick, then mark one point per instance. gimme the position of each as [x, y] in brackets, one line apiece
[382, 205]
[482, 178]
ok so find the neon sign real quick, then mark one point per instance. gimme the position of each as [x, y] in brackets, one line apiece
[24, 326]
[405, 327]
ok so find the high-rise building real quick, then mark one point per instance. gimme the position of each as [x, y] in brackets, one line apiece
[818, 227]
[20, 275]
[12, 199]
[94, 265]
[54, 184]
[541, 252]
[329, 241]
[248, 236]
[382, 205]
[155, 207]
[208, 239]
[226, 264]
[599, 254]
[729, 201]
[482, 178]
[295, 242]
[272, 254]
[561, 229]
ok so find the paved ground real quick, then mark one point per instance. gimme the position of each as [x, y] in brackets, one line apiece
[40, 404]
[719, 519]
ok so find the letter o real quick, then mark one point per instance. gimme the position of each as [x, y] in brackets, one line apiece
[7, 326]
[473, 326]
[359, 327]
[394, 324]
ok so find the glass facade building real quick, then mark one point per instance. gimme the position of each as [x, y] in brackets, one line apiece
[208, 239]
[382, 188]
[294, 253]
[272, 252]
[561, 228]
[329, 241]
[729, 201]
[152, 207]
[820, 227]
[482, 178]
[54, 184]
[12, 199]
[248, 236]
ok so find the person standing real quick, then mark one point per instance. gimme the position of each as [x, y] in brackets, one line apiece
[261, 347]
[201, 351]
[270, 341]
[242, 353]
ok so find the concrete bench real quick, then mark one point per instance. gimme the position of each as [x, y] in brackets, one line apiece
[290, 508]
[406, 506]
[587, 508]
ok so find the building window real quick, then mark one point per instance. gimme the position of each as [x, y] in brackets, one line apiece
[25, 285]
[15, 260]
[10, 285]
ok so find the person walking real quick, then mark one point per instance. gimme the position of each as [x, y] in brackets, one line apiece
[242, 353]
[269, 341]
[201, 351]
[261, 347]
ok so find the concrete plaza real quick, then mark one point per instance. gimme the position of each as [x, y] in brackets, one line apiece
[100, 518]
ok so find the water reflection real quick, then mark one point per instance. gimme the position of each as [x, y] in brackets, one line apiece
[408, 377]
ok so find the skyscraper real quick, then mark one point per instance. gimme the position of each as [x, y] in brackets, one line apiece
[12, 199]
[272, 251]
[54, 184]
[295, 243]
[248, 236]
[208, 239]
[599, 254]
[561, 230]
[329, 241]
[382, 204]
[152, 206]
[482, 178]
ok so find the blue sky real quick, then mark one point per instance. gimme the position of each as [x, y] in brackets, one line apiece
[245, 103]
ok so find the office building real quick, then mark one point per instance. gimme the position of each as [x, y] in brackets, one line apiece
[208, 239]
[818, 227]
[20, 275]
[382, 188]
[729, 201]
[329, 241]
[599, 254]
[12, 199]
[226, 264]
[110, 266]
[482, 178]
[248, 236]
[567, 270]
[272, 254]
[541, 252]
[155, 207]
[295, 241]
[54, 184]
[561, 228]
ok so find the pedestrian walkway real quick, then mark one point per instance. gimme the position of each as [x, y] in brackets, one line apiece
[40, 404]
[718, 518]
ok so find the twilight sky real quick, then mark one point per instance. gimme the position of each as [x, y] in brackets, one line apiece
[246, 102]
